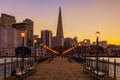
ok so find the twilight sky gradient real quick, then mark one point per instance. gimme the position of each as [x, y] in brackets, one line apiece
[81, 18]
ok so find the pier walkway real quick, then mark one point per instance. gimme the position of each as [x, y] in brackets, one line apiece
[59, 69]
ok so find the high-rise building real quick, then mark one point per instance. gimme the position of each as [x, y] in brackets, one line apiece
[29, 31]
[46, 37]
[59, 33]
[7, 20]
[26, 25]
[70, 42]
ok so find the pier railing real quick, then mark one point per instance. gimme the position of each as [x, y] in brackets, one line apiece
[9, 66]
[112, 68]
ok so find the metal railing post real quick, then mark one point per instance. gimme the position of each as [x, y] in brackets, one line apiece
[108, 66]
[5, 69]
[11, 65]
[114, 69]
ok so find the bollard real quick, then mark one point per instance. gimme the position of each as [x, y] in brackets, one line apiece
[114, 69]
[5, 69]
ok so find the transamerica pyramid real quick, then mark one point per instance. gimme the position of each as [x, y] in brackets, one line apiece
[59, 33]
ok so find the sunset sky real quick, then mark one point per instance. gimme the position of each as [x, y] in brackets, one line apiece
[81, 18]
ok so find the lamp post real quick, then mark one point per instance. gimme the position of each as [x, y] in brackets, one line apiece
[22, 34]
[85, 41]
[78, 49]
[41, 49]
[97, 48]
[35, 42]
[4, 55]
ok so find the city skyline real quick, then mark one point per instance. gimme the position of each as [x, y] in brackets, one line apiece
[81, 18]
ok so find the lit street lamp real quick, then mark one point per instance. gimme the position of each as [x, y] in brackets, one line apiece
[41, 45]
[35, 42]
[85, 41]
[97, 48]
[22, 34]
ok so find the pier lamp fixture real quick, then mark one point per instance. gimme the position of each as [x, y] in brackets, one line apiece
[35, 43]
[22, 34]
[85, 41]
[41, 45]
[97, 50]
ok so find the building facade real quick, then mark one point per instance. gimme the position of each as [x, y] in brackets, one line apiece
[101, 43]
[29, 31]
[39, 52]
[9, 40]
[26, 25]
[113, 50]
[46, 37]
[70, 42]
[87, 42]
[7, 20]
[3, 37]
[10, 34]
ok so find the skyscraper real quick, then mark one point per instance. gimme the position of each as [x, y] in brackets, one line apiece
[46, 37]
[29, 30]
[59, 33]
[7, 20]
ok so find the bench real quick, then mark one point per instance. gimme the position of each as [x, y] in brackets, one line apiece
[99, 74]
[88, 68]
[93, 72]
[19, 74]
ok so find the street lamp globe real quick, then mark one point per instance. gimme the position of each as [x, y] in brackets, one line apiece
[85, 41]
[22, 34]
[35, 41]
[97, 33]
